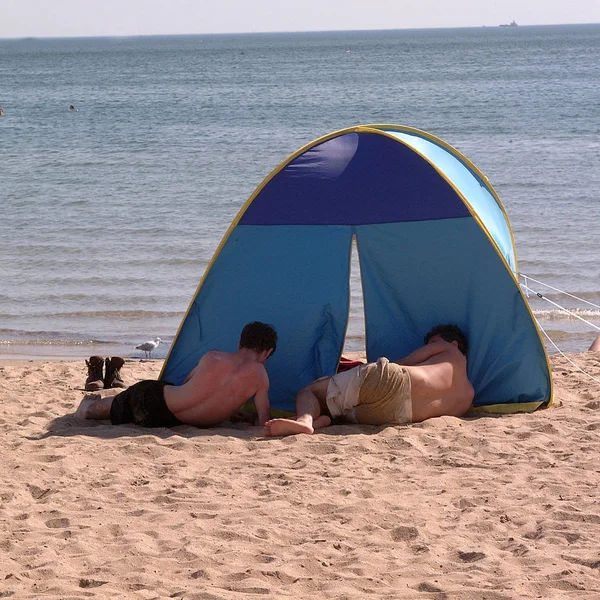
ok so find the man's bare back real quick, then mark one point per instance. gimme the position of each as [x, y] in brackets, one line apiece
[218, 386]
[439, 383]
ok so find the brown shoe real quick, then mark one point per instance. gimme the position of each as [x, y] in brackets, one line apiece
[95, 380]
[112, 376]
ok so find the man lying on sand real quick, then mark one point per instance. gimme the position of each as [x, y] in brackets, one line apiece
[215, 389]
[430, 382]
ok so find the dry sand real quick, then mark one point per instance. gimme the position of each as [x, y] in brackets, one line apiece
[475, 508]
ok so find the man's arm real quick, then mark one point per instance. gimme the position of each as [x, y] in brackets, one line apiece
[261, 401]
[420, 355]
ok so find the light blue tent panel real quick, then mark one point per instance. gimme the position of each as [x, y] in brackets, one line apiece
[447, 296]
[262, 267]
[435, 246]
[472, 186]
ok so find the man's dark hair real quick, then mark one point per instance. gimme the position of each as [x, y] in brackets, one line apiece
[450, 333]
[259, 336]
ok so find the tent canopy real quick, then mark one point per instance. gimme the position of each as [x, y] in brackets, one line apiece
[434, 244]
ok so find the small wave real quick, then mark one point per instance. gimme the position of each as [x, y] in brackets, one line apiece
[60, 343]
[558, 335]
[71, 343]
[112, 314]
[554, 285]
[563, 297]
[126, 297]
[355, 336]
[100, 314]
[560, 315]
[65, 338]
[564, 341]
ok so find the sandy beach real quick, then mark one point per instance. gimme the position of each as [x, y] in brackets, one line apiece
[484, 507]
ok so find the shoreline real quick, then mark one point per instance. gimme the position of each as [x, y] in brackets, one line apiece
[79, 352]
[54, 352]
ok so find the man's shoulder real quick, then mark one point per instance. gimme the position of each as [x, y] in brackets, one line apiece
[259, 371]
[452, 353]
[443, 352]
[219, 355]
[456, 358]
[216, 352]
[256, 367]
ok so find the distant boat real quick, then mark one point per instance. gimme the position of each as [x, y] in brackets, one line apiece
[511, 24]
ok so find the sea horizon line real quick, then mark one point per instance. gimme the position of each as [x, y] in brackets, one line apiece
[290, 32]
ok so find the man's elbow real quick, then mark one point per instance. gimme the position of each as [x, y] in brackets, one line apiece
[463, 406]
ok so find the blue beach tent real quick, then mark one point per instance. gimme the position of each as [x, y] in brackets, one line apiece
[434, 245]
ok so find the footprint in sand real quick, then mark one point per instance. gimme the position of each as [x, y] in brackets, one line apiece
[50, 458]
[7, 497]
[265, 558]
[90, 583]
[429, 588]
[200, 574]
[59, 523]
[38, 493]
[470, 556]
[405, 534]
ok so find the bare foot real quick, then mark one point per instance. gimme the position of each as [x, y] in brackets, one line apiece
[276, 427]
[86, 402]
[322, 421]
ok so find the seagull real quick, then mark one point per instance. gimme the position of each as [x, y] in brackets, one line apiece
[148, 346]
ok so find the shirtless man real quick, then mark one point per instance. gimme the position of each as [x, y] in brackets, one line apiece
[215, 389]
[430, 382]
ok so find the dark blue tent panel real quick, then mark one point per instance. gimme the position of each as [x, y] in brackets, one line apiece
[344, 182]
[434, 244]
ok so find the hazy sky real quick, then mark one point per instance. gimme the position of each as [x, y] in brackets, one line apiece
[57, 18]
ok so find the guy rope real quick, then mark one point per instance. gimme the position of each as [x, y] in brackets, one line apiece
[527, 289]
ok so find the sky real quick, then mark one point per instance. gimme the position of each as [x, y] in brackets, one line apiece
[70, 18]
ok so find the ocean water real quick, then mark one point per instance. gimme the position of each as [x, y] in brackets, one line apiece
[110, 214]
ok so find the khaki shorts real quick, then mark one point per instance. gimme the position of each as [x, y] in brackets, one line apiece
[381, 400]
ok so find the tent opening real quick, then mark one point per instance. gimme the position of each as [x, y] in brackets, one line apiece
[355, 333]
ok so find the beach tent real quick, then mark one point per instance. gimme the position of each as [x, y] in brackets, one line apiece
[434, 244]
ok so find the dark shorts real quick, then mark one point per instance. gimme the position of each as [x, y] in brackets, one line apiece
[144, 404]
